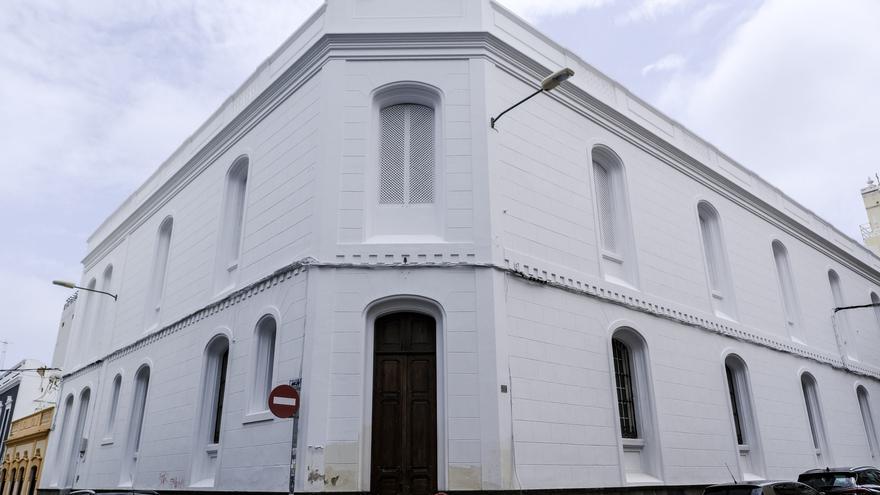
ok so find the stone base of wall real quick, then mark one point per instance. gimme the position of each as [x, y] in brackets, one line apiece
[632, 490]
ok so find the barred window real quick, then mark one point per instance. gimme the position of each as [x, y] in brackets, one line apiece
[623, 378]
[406, 174]
[114, 405]
[734, 405]
[263, 364]
[607, 199]
[814, 415]
[786, 286]
[868, 420]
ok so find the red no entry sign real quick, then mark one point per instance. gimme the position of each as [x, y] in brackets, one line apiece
[284, 401]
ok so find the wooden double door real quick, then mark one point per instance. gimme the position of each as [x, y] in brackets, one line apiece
[404, 443]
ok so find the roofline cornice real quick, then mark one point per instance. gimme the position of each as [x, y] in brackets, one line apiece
[458, 45]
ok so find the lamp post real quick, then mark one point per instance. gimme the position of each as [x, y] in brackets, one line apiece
[547, 84]
[71, 285]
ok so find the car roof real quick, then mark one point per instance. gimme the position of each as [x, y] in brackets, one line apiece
[752, 483]
[838, 470]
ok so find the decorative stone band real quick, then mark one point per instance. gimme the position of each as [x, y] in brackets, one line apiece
[600, 290]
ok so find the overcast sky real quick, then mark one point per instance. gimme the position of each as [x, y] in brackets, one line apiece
[95, 95]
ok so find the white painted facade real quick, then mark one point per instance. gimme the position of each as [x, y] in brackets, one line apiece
[509, 257]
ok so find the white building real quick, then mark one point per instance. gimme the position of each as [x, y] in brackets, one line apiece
[586, 296]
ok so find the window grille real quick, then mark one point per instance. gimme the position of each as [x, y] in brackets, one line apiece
[221, 390]
[406, 172]
[712, 246]
[114, 404]
[142, 384]
[624, 384]
[734, 404]
[783, 270]
[814, 415]
[264, 365]
[606, 196]
[868, 420]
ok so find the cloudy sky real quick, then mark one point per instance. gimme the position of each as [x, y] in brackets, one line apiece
[95, 95]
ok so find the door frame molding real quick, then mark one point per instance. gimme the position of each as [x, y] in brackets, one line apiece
[381, 307]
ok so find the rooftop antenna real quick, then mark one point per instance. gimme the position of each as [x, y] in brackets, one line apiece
[731, 474]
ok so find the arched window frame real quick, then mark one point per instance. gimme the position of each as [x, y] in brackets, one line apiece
[417, 222]
[646, 446]
[718, 275]
[744, 418]
[162, 253]
[787, 290]
[209, 420]
[232, 219]
[868, 420]
[80, 431]
[102, 308]
[137, 414]
[613, 222]
[815, 419]
[875, 299]
[112, 408]
[62, 439]
[841, 319]
[263, 369]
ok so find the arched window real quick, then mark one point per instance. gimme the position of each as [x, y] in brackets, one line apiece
[160, 267]
[210, 417]
[62, 438]
[876, 300]
[76, 445]
[114, 405]
[21, 480]
[634, 404]
[264, 364]
[135, 425]
[406, 193]
[32, 485]
[717, 269]
[615, 236]
[743, 415]
[11, 480]
[406, 172]
[2, 480]
[868, 420]
[229, 246]
[787, 290]
[841, 318]
[815, 419]
[101, 308]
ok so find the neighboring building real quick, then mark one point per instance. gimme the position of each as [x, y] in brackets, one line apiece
[588, 295]
[67, 315]
[25, 451]
[23, 391]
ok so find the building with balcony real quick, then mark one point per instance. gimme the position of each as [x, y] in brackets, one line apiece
[586, 296]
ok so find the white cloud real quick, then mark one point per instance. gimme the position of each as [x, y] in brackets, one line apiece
[796, 103]
[671, 62]
[649, 10]
[535, 9]
[700, 18]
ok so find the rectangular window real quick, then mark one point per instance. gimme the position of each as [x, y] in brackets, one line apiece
[607, 205]
[734, 405]
[406, 172]
[221, 390]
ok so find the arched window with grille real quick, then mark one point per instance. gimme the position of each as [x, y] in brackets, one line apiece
[264, 364]
[868, 421]
[748, 440]
[209, 421]
[135, 426]
[715, 257]
[617, 248]
[408, 200]
[635, 408]
[841, 319]
[115, 390]
[160, 269]
[816, 420]
[790, 306]
[76, 444]
[232, 225]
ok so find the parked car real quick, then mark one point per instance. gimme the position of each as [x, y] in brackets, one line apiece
[843, 480]
[761, 488]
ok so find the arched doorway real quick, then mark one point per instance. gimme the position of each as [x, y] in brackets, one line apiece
[404, 419]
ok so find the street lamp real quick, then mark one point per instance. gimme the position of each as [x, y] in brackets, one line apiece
[547, 84]
[71, 285]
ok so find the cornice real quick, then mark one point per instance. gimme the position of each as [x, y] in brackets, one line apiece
[367, 46]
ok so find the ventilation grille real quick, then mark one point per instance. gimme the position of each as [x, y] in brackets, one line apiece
[407, 155]
[605, 194]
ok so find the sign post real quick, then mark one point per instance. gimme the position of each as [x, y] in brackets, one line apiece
[284, 403]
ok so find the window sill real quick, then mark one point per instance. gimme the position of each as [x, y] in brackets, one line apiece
[743, 448]
[107, 441]
[257, 417]
[614, 257]
[633, 443]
